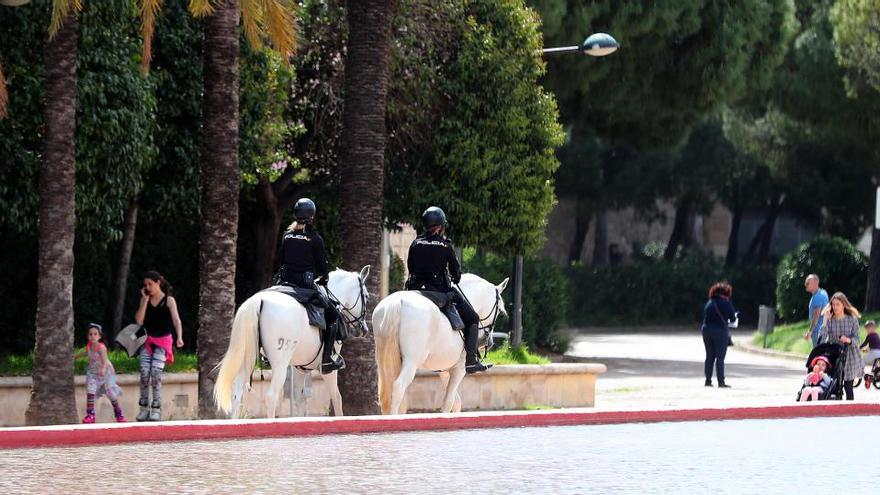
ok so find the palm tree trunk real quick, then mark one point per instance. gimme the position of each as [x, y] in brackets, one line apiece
[220, 188]
[52, 397]
[362, 175]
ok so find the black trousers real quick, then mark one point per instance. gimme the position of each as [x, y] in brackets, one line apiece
[848, 388]
[715, 341]
[468, 315]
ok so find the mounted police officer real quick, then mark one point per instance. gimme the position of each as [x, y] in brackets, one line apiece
[431, 264]
[304, 264]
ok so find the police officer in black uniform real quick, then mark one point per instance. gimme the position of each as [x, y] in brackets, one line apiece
[304, 264]
[431, 263]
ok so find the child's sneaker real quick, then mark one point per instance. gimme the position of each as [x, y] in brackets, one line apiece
[120, 418]
[89, 418]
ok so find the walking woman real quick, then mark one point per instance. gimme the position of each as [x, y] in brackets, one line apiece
[158, 314]
[717, 313]
[842, 326]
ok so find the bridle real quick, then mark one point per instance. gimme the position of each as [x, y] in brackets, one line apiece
[346, 313]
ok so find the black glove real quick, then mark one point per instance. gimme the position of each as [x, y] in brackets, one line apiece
[322, 281]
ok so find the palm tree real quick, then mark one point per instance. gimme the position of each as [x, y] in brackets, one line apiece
[362, 174]
[52, 397]
[220, 170]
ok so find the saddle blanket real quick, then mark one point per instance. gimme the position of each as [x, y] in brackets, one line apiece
[311, 299]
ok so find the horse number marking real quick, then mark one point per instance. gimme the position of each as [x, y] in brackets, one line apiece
[284, 344]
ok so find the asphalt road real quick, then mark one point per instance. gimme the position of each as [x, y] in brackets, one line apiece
[663, 368]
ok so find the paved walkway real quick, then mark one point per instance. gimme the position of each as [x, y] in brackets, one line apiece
[663, 368]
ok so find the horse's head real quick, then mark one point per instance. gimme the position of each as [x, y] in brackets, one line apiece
[486, 299]
[350, 290]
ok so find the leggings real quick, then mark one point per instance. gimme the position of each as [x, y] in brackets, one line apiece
[812, 392]
[152, 369]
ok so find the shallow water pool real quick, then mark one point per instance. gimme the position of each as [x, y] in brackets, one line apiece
[748, 456]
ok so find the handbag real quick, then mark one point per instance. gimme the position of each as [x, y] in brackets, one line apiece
[132, 338]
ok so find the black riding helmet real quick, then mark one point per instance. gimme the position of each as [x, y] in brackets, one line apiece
[304, 210]
[433, 217]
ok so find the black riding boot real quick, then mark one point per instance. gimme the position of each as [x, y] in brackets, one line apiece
[330, 361]
[472, 362]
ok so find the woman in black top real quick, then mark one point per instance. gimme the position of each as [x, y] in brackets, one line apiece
[717, 313]
[158, 314]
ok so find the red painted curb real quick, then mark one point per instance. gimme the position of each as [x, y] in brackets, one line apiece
[81, 435]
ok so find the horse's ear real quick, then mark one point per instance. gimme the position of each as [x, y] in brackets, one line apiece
[502, 285]
[365, 272]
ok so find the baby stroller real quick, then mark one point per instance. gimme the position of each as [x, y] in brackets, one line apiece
[835, 355]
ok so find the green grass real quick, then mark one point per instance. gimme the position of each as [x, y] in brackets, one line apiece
[790, 338]
[18, 365]
[518, 355]
[538, 407]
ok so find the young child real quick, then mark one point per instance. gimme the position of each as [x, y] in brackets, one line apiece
[872, 346]
[100, 376]
[816, 381]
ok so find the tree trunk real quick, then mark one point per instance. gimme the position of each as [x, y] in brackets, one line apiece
[362, 163]
[733, 238]
[600, 241]
[120, 273]
[52, 397]
[872, 298]
[581, 227]
[681, 231]
[759, 248]
[220, 188]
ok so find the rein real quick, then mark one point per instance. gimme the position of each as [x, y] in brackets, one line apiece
[493, 315]
[346, 311]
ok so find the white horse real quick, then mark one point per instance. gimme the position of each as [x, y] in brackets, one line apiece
[412, 333]
[280, 325]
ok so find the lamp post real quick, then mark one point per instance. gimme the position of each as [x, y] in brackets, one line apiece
[596, 45]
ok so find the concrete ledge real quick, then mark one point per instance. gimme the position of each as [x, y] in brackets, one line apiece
[74, 435]
[507, 387]
[747, 346]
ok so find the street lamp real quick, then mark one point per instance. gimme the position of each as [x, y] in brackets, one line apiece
[597, 45]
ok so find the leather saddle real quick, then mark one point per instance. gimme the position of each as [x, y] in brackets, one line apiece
[311, 299]
[445, 301]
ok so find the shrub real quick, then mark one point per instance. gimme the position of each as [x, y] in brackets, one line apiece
[658, 292]
[544, 296]
[840, 266]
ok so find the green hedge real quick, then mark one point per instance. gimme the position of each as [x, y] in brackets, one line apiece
[544, 296]
[840, 266]
[657, 292]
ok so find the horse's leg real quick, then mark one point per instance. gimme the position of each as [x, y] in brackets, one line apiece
[332, 384]
[456, 374]
[299, 396]
[407, 373]
[456, 405]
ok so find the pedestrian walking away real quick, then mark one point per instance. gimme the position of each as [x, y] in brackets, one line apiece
[718, 313]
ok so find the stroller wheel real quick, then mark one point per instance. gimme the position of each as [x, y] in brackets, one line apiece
[876, 383]
[857, 382]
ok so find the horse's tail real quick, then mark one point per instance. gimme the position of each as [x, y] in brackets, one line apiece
[241, 354]
[386, 326]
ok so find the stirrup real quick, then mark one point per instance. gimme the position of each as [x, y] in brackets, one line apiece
[333, 365]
